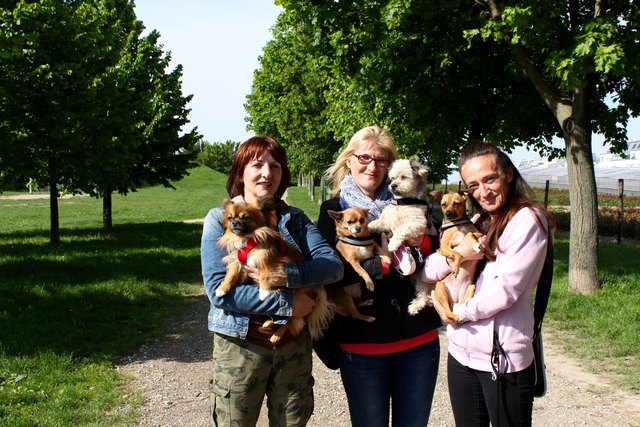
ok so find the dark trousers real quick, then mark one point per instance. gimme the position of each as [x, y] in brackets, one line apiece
[476, 399]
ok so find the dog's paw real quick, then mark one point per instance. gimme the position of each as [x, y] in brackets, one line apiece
[263, 294]
[394, 245]
[365, 303]
[369, 284]
[274, 339]
[220, 293]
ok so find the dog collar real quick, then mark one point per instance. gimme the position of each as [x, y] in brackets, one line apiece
[455, 223]
[410, 201]
[243, 253]
[356, 241]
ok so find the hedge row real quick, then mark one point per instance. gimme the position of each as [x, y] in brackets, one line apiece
[608, 223]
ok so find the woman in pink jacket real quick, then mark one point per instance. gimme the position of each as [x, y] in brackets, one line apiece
[498, 320]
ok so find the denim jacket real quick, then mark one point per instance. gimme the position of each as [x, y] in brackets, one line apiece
[229, 315]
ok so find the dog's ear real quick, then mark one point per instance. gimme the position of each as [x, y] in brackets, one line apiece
[226, 202]
[335, 215]
[464, 194]
[419, 169]
[437, 196]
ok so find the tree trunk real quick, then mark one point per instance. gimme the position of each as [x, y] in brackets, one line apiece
[107, 221]
[583, 237]
[54, 232]
[311, 187]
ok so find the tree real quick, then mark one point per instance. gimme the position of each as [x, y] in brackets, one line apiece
[219, 156]
[85, 102]
[287, 101]
[57, 51]
[403, 65]
[419, 67]
[149, 115]
[578, 55]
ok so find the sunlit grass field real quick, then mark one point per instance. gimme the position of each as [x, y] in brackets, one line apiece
[68, 312]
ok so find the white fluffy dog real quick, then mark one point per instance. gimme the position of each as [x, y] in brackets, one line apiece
[408, 219]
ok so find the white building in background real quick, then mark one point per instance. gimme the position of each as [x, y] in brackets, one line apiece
[634, 150]
[632, 153]
[609, 169]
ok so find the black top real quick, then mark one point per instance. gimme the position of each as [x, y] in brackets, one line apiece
[392, 295]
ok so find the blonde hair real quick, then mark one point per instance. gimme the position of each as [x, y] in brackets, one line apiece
[374, 133]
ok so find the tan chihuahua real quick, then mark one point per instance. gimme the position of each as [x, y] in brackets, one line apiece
[355, 245]
[457, 287]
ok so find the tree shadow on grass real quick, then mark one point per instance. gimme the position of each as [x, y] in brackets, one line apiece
[98, 294]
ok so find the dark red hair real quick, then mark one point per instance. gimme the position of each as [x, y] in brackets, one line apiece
[251, 149]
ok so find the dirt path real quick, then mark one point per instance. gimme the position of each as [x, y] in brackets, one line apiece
[172, 373]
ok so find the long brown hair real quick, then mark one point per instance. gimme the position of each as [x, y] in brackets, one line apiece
[519, 196]
[252, 148]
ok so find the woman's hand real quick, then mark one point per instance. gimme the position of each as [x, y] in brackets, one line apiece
[385, 254]
[384, 245]
[302, 303]
[252, 272]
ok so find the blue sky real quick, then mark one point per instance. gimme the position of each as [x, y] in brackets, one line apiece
[218, 43]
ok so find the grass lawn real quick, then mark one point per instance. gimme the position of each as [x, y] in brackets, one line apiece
[68, 312]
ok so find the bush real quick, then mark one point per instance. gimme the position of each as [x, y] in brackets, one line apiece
[607, 221]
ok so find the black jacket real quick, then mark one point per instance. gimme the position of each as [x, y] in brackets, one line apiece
[391, 297]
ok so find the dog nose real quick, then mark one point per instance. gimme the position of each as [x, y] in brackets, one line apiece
[450, 214]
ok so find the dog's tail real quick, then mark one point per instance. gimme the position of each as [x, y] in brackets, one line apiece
[321, 315]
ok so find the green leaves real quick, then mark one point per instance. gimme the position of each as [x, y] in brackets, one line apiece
[86, 101]
[440, 73]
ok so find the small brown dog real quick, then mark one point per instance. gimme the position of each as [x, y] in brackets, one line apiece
[355, 245]
[456, 226]
[250, 241]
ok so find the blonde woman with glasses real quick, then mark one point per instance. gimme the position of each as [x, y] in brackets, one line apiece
[395, 358]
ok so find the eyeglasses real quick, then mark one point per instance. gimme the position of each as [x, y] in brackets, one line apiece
[365, 159]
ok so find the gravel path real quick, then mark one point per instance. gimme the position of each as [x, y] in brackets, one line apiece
[172, 373]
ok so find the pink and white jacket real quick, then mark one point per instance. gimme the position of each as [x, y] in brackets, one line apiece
[503, 300]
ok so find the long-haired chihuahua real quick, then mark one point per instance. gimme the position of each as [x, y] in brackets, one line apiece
[251, 241]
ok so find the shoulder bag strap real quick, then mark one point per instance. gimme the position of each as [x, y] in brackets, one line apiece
[543, 289]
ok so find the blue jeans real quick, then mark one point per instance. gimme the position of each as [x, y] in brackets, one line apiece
[407, 378]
